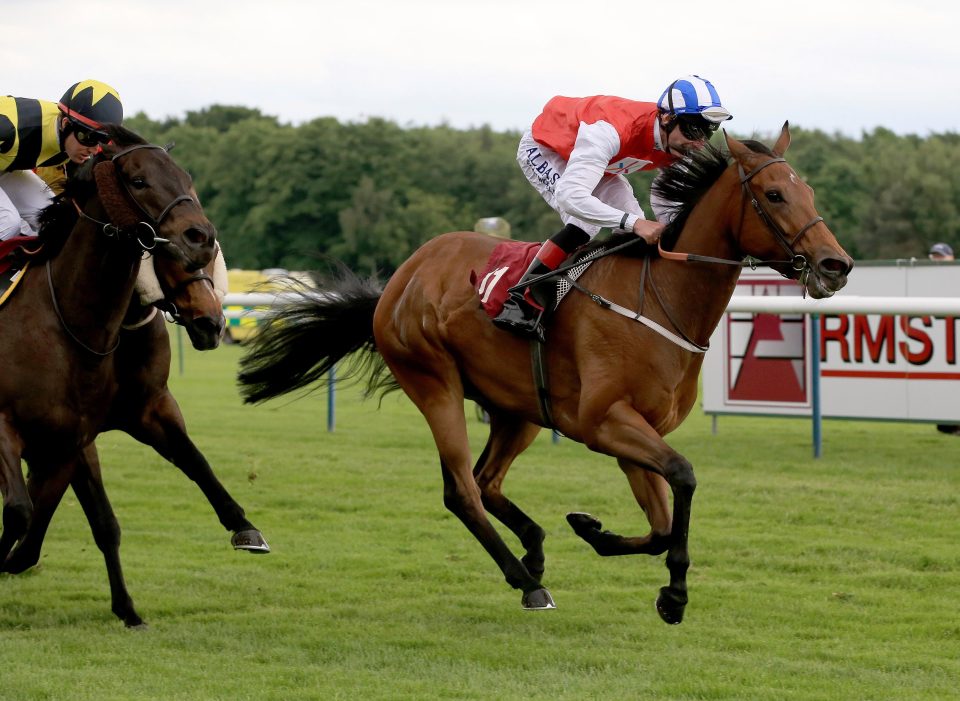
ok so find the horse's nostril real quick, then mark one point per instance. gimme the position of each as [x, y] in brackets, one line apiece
[834, 267]
[196, 235]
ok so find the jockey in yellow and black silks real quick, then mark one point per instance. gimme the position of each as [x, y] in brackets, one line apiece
[37, 134]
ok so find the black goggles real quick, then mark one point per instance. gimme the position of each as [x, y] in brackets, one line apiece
[89, 137]
[699, 130]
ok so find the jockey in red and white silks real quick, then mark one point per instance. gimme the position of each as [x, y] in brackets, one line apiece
[576, 155]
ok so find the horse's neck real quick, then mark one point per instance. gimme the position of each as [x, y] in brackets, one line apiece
[704, 288]
[93, 278]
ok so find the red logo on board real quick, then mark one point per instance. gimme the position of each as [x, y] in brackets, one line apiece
[767, 355]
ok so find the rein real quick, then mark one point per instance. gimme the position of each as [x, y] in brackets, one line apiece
[63, 322]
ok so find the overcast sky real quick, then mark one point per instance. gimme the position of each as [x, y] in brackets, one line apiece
[834, 65]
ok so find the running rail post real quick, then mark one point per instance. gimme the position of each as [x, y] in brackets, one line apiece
[331, 399]
[815, 384]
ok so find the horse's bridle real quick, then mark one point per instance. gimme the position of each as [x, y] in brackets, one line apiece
[152, 223]
[168, 307]
[799, 262]
[130, 232]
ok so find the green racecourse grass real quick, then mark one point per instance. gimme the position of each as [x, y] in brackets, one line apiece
[836, 578]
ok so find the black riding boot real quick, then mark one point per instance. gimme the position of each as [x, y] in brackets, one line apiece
[518, 315]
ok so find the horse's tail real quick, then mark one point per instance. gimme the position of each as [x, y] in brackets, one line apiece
[312, 329]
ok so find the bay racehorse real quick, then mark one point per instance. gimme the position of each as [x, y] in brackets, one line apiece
[616, 385]
[63, 329]
[144, 408]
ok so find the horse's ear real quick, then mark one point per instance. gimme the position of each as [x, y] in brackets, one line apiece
[737, 150]
[783, 143]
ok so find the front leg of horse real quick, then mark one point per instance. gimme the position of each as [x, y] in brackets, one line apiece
[164, 431]
[607, 543]
[624, 433]
[673, 598]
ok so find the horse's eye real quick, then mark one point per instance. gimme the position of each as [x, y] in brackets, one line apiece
[774, 196]
[138, 182]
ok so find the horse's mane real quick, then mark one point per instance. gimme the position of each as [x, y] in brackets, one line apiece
[685, 182]
[59, 217]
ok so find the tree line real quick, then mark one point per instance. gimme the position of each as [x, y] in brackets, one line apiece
[369, 193]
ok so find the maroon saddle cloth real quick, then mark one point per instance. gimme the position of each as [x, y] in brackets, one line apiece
[506, 264]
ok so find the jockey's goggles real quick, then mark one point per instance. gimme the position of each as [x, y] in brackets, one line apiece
[697, 130]
[89, 137]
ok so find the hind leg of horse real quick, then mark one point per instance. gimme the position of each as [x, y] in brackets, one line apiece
[46, 489]
[162, 427]
[87, 484]
[17, 507]
[439, 396]
[619, 430]
[508, 438]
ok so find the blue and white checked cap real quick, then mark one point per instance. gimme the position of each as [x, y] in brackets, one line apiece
[694, 95]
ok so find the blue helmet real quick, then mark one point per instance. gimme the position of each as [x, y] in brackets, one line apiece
[693, 95]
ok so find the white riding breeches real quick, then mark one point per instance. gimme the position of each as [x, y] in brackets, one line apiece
[543, 167]
[22, 195]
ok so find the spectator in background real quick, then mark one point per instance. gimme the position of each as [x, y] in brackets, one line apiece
[942, 252]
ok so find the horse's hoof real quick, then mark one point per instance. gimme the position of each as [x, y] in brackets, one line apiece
[537, 600]
[137, 626]
[670, 607]
[18, 565]
[582, 523]
[250, 540]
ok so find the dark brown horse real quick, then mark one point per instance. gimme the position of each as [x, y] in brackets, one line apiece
[615, 385]
[144, 408]
[65, 327]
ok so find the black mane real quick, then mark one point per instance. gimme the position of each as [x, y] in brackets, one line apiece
[686, 181]
[59, 217]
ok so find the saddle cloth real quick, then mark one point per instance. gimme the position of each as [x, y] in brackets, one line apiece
[509, 261]
[506, 264]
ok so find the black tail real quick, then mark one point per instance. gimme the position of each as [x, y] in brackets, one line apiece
[302, 338]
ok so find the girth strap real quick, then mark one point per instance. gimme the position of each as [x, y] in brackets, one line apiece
[541, 381]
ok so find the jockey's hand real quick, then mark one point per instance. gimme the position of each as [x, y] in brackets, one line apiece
[648, 230]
